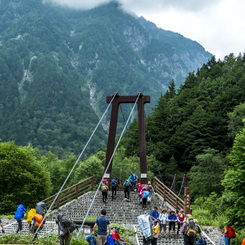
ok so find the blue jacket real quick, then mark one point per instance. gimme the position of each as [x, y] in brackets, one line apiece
[172, 217]
[154, 214]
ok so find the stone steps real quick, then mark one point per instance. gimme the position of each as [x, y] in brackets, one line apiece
[49, 227]
[118, 211]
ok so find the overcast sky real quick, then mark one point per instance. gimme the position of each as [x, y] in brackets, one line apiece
[218, 25]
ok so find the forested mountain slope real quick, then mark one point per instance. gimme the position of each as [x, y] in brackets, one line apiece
[58, 65]
[202, 117]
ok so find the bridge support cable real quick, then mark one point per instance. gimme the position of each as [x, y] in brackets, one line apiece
[182, 185]
[173, 183]
[80, 229]
[78, 159]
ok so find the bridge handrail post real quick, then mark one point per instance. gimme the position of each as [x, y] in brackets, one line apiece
[58, 202]
[92, 183]
[76, 191]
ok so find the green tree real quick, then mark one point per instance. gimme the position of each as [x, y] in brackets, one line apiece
[235, 120]
[23, 179]
[207, 174]
[93, 166]
[234, 182]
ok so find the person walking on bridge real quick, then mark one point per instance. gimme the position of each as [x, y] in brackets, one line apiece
[114, 185]
[20, 213]
[126, 186]
[103, 223]
[132, 179]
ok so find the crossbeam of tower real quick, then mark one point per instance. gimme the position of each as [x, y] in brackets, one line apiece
[113, 128]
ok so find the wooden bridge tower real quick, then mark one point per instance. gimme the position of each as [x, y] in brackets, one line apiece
[113, 127]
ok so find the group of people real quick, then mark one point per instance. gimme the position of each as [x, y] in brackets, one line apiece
[186, 225]
[144, 194]
[34, 217]
[128, 185]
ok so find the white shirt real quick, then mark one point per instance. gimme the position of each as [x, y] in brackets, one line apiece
[163, 218]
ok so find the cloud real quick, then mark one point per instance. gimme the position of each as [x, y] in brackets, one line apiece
[79, 4]
[142, 5]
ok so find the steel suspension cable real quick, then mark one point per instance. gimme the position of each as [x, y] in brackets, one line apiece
[173, 182]
[73, 167]
[108, 165]
[182, 184]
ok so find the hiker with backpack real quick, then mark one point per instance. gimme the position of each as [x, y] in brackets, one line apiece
[132, 179]
[65, 227]
[145, 195]
[180, 219]
[139, 189]
[228, 234]
[114, 185]
[20, 213]
[29, 219]
[126, 186]
[200, 239]
[104, 190]
[163, 221]
[172, 218]
[36, 223]
[1, 224]
[149, 188]
[103, 223]
[189, 231]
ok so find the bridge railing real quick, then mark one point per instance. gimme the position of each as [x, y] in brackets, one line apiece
[168, 195]
[70, 193]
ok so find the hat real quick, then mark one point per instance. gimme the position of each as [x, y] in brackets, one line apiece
[172, 211]
[181, 210]
[117, 227]
[104, 180]
[164, 209]
[155, 221]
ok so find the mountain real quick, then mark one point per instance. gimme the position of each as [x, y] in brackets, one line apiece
[58, 65]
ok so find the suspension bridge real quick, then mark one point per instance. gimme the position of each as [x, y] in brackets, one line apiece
[82, 199]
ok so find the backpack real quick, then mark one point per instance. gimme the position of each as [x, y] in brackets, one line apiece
[19, 212]
[90, 240]
[201, 241]
[31, 213]
[67, 223]
[127, 185]
[231, 232]
[109, 240]
[190, 228]
[146, 194]
[149, 188]
[104, 188]
[39, 219]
